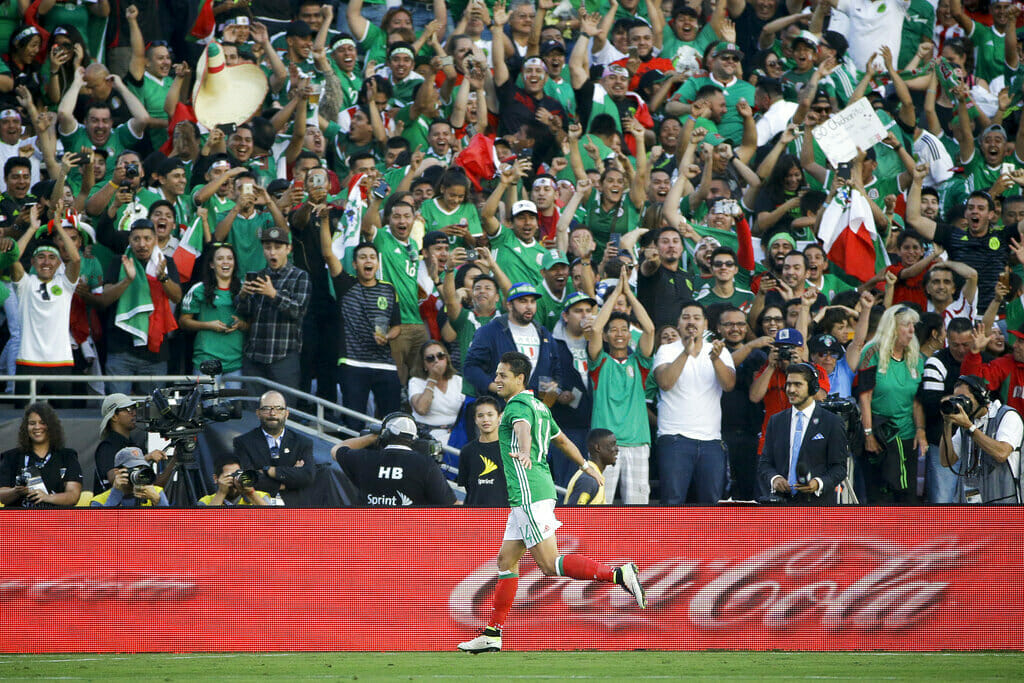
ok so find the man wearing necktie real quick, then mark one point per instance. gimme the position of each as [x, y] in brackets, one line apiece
[283, 458]
[805, 448]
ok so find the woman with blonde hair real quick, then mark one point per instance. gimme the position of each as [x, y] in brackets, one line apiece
[890, 373]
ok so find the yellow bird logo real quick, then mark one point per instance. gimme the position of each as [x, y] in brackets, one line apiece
[489, 466]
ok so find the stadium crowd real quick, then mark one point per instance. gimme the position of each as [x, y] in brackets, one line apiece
[635, 194]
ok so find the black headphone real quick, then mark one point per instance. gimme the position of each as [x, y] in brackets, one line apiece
[811, 374]
[977, 387]
[396, 427]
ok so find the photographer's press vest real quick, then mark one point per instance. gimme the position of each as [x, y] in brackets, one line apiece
[996, 482]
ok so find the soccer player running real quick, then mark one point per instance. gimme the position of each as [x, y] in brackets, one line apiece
[525, 431]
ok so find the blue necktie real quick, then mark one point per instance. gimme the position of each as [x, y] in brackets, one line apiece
[275, 452]
[794, 453]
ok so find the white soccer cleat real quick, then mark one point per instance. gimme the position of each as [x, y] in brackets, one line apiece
[628, 577]
[488, 641]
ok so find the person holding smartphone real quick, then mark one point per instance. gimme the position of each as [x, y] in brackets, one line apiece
[252, 213]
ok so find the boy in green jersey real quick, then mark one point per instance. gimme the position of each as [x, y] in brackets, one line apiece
[523, 436]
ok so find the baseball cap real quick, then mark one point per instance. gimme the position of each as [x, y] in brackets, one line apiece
[1017, 333]
[549, 46]
[275, 234]
[524, 206]
[112, 404]
[521, 289]
[789, 336]
[434, 237]
[552, 259]
[724, 48]
[129, 457]
[299, 29]
[577, 297]
[805, 37]
[994, 128]
[825, 343]
[781, 236]
[714, 139]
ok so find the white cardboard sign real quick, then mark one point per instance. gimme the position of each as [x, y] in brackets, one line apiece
[857, 126]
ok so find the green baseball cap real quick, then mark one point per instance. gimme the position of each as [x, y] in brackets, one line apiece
[521, 289]
[577, 297]
[552, 259]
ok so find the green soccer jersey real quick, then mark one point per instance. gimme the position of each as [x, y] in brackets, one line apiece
[399, 264]
[245, 237]
[989, 52]
[549, 309]
[152, 92]
[121, 138]
[621, 218]
[793, 82]
[620, 403]
[210, 345]
[742, 299]
[435, 218]
[520, 261]
[465, 325]
[918, 25]
[527, 486]
[671, 45]
[731, 126]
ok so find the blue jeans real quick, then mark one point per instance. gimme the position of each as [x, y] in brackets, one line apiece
[939, 479]
[127, 363]
[683, 461]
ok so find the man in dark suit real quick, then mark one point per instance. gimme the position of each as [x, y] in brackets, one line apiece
[283, 458]
[805, 447]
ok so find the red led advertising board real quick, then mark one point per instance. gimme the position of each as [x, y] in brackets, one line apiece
[421, 579]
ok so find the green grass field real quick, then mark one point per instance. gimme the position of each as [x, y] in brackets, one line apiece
[871, 666]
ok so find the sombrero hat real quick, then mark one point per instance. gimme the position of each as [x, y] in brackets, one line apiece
[226, 94]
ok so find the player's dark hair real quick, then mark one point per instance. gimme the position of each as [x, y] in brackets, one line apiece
[518, 364]
[596, 435]
[16, 162]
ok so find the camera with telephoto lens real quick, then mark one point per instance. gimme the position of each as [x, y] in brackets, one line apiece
[180, 412]
[847, 411]
[245, 478]
[951, 405]
[142, 475]
[784, 352]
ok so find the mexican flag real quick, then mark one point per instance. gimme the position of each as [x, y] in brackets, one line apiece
[202, 30]
[187, 252]
[348, 235]
[848, 235]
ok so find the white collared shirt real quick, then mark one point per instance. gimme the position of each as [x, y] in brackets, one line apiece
[806, 426]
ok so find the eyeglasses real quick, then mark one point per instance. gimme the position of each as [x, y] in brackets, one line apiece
[821, 110]
[129, 409]
[441, 355]
[279, 409]
[739, 324]
[723, 264]
[773, 319]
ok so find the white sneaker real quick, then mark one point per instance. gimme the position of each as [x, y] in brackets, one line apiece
[630, 581]
[487, 641]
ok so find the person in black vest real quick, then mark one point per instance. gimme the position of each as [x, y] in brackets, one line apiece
[395, 474]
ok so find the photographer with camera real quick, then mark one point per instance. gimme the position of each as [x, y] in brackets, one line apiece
[282, 456]
[401, 471]
[769, 385]
[981, 440]
[116, 426]
[133, 483]
[40, 472]
[804, 456]
[235, 486]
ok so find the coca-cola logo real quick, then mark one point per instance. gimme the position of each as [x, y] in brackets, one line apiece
[827, 583]
[99, 587]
